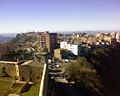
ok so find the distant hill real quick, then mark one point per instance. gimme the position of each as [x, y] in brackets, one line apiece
[23, 38]
[6, 37]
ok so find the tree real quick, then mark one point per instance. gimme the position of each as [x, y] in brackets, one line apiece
[106, 61]
[82, 73]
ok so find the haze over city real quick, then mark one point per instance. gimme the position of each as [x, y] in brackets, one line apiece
[59, 15]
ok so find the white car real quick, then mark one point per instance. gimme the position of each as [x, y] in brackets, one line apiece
[57, 65]
[66, 60]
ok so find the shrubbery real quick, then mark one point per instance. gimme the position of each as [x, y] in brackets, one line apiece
[98, 72]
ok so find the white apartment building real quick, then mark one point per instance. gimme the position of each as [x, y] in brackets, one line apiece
[71, 47]
[63, 45]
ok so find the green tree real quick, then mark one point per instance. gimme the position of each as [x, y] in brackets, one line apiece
[82, 73]
[106, 61]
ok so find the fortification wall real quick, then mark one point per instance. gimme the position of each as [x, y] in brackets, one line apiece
[9, 69]
[24, 72]
[30, 73]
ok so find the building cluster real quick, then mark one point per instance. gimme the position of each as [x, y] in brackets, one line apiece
[80, 44]
[37, 41]
[58, 46]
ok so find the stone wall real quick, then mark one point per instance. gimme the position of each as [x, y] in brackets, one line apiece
[30, 73]
[9, 69]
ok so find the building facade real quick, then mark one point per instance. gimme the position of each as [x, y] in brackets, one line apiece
[74, 48]
[47, 40]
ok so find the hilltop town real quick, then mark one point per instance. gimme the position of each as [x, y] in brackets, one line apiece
[27, 44]
[29, 57]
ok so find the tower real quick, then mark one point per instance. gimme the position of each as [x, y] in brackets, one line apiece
[47, 40]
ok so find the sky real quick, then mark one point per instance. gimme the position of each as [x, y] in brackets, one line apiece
[59, 15]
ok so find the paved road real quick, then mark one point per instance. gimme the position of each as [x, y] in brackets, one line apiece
[60, 87]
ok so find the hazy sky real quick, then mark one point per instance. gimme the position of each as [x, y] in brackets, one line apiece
[59, 15]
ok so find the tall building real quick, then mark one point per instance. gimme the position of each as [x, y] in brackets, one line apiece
[47, 40]
[53, 41]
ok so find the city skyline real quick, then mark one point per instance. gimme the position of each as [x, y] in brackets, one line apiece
[59, 15]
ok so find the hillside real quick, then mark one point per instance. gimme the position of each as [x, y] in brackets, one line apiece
[24, 46]
[23, 39]
[97, 74]
[106, 61]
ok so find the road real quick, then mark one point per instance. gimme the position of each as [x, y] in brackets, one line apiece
[60, 87]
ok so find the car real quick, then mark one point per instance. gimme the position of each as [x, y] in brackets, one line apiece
[66, 60]
[57, 65]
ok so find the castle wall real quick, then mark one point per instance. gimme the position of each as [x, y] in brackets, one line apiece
[9, 68]
[26, 72]
[30, 73]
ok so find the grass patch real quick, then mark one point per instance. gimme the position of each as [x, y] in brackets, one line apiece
[16, 88]
[5, 85]
[34, 90]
